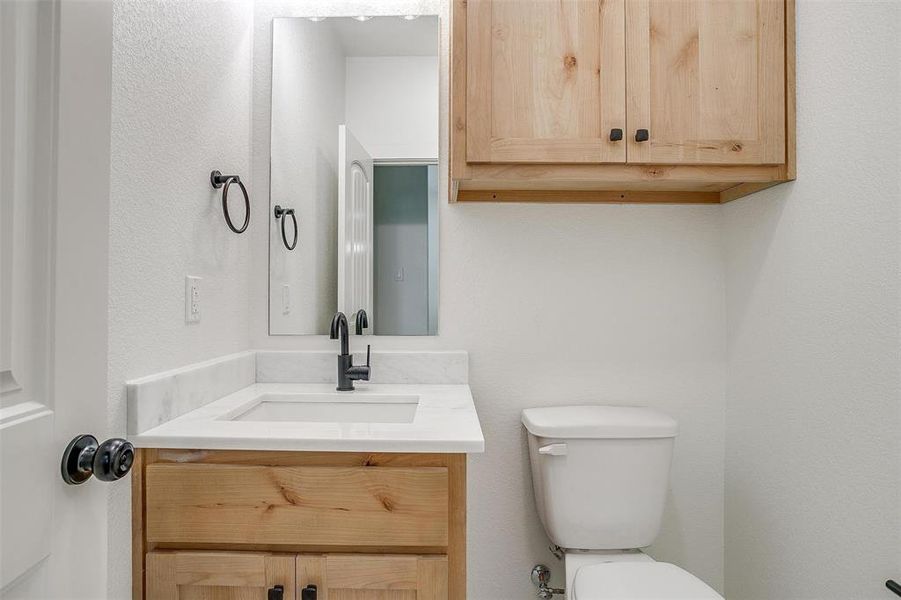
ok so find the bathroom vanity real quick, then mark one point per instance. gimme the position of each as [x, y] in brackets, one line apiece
[289, 489]
[254, 477]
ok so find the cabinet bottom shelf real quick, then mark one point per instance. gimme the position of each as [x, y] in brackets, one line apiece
[581, 183]
[731, 191]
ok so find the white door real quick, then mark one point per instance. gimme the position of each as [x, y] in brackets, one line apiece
[355, 226]
[54, 211]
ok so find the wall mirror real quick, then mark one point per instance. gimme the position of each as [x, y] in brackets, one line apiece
[354, 174]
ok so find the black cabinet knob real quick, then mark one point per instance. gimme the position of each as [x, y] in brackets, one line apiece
[276, 592]
[893, 586]
[642, 135]
[308, 593]
[616, 135]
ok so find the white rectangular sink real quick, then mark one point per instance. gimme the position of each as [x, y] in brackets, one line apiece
[328, 408]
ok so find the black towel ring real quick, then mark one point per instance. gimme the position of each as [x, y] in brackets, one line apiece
[282, 213]
[218, 180]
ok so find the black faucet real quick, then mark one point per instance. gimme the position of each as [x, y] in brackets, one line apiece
[347, 372]
[362, 321]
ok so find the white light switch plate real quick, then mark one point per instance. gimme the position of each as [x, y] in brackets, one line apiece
[192, 299]
[286, 299]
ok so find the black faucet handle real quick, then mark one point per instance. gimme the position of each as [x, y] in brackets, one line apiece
[359, 372]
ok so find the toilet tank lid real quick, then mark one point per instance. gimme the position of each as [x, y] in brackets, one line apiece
[639, 581]
[599, 422]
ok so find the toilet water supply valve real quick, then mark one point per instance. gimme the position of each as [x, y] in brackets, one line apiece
[541, 575]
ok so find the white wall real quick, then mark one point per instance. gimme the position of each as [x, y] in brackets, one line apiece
[180, 108]
[308, 84]
[556, 304]
[813, 462]
[392, 105]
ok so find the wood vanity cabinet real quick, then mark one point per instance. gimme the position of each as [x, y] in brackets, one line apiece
[621, 100]
[235, 524]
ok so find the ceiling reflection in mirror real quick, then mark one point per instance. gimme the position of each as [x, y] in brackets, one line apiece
[354, 167]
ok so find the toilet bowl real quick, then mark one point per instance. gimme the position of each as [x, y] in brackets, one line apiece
[639, 581]
[600, 475]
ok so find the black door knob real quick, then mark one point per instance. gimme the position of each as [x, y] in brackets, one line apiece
[308, 593]
[616, 135]
[108, 461]
[642, 135]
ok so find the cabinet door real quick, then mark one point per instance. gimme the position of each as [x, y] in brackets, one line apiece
[545, 81]
[373, 577]
[218, 575]
[706, 79]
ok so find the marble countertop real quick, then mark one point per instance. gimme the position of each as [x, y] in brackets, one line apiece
[445, 421]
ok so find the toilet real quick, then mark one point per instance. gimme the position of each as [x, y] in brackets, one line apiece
[600, 476]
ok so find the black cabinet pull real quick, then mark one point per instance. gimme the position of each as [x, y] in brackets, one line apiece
[642, 135]
[308, 593]
[616, 135]
[276, 593]
[895, 587]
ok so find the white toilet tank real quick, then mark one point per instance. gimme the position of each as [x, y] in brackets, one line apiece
[600, 473]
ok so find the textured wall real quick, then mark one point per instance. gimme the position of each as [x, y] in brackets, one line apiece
[180, 108]
[813, 500]
[557, 304]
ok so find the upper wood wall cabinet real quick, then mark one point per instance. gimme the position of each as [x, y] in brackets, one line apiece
[621, 100]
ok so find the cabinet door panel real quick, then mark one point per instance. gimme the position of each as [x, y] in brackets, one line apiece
[218, 575]
[545, 80]
[374, 577]
[706, 78]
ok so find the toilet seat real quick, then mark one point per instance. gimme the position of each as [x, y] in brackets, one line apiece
[639, 581]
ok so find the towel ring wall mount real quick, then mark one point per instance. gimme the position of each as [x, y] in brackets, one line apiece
[283, 214]
[218, 180]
